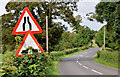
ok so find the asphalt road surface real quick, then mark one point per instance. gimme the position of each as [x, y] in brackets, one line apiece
[83, 64]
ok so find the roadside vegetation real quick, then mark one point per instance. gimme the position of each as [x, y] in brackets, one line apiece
[108, 58]
[38, 64]
[62, 43]
[111, 15]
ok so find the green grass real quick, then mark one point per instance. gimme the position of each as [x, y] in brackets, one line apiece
[54, 68]
[100, 61]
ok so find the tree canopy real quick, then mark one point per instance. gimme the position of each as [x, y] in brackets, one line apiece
[110, 12]
[39, 10]
[85, 35]
[76, 25]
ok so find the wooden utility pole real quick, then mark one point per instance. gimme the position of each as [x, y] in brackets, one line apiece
[47, 34]
[104, 38]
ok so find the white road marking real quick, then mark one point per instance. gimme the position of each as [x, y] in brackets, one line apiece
[85, 67]
[78, 62]
[97, 72]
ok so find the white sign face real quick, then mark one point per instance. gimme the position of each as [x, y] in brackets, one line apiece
[27, 24]
[28, 42]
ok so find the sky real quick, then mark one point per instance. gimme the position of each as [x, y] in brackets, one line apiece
[84, 7]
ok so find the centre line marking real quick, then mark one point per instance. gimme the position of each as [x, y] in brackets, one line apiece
[85, 67]
[97, 72]
[78, 62]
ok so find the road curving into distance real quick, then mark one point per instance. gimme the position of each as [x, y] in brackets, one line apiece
[83, 64]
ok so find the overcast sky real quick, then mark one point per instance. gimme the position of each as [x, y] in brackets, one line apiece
[84, 7]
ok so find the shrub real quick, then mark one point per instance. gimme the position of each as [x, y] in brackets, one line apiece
[4, 49]
[112, 57]
[98, 54]
[27, 66]
[61, 53]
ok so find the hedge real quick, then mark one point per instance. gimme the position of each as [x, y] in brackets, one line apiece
[112, 57]
[34, 65]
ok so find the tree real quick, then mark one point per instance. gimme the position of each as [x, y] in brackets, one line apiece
[55, 10]
[76, 25]
[66, 41]
[84, 36]
[110, 12]
[109, 42]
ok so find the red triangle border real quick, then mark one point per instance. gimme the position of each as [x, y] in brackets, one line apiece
[24, 32]
[24, 39]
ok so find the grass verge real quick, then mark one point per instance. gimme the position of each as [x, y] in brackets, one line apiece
[54, 68]
[99, 61]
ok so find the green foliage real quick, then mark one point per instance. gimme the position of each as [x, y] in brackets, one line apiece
[30, 50]
[3, 49]
[112, 57]
[76, 25]
[32, 65]
[54, 55]
[85, 36]
[18, 38]
[98, 54]
[71, 40]
[28, 65]
[39, 10]
[110, 40]
[110, 12]
[66, 41]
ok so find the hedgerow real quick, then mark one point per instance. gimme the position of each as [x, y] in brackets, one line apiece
[37, 64]
[112, 57]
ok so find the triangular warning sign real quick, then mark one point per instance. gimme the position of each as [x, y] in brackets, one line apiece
[26, 22]
[28, 40]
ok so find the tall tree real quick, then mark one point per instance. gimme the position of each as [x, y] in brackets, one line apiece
[55, 10]
[84, 37]
[110, 12]
[76, 25]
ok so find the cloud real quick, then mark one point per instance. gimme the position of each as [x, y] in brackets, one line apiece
[87, 6]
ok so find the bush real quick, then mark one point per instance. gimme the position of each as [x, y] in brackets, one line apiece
[27, 66]
[55, 54]
[98, 54]
[4, 49]
[112, 57]
[71, 51]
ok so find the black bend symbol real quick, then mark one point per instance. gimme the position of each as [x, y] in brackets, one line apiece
[30, 27]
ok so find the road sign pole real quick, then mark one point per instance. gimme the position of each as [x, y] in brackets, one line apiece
[47, 34]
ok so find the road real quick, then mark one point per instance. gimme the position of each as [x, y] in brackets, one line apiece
[83, 64]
